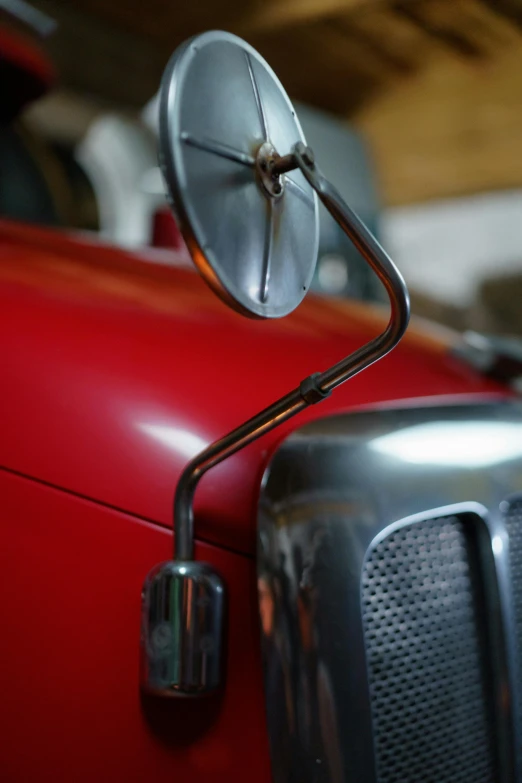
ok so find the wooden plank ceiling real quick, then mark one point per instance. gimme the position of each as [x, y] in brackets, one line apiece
[436, 85]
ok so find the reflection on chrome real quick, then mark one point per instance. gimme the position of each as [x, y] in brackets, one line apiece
[497, 545]
[335, 493]
[301, 709]
[470, 443]
[185, 443]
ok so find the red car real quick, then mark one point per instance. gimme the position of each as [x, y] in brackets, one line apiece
[378, 535]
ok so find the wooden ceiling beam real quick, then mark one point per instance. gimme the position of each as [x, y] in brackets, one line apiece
[511, 9]
[324, 85]
[366, 39]
[111, 64]
[437, 21]
[282, 14]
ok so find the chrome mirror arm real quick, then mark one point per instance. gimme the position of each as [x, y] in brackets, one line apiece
[376, 257]
[191, 664]
[318, 386]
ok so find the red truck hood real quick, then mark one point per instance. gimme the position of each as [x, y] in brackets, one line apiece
[116, 372]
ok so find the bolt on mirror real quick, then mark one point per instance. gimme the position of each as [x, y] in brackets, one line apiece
[244, 187]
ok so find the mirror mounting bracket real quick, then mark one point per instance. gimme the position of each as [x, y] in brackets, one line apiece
[315, 387]
[311, 391]
[185, 658]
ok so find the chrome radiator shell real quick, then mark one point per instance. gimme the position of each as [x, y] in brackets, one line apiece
[336, 491]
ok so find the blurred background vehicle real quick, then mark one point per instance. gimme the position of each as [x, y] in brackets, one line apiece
[413, 107]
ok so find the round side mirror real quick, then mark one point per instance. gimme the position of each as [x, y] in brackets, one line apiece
[225, 122]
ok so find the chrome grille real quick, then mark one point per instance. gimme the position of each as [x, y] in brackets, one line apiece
[421, 613]
[402, 673]
[513, 520]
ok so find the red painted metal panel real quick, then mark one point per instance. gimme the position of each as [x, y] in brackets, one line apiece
[70, 578]
[117, 371]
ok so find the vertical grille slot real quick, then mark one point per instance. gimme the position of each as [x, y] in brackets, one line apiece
[430, 704]
[513, 521]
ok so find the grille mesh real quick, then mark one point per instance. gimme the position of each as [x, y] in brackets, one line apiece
[513, 518]
[431, 718]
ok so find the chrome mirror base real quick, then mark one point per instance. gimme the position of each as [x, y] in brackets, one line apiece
[183, 607]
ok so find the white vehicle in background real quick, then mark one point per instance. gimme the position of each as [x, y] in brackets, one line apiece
[119, 156]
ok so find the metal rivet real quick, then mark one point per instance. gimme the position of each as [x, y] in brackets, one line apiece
[308, 156]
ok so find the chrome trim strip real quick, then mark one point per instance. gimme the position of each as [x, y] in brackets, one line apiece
[331, 492]
[456, 509]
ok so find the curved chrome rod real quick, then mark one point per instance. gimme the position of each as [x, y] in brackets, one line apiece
[317, 386]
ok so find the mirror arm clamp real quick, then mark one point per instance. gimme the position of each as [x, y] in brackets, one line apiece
[311, 391]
